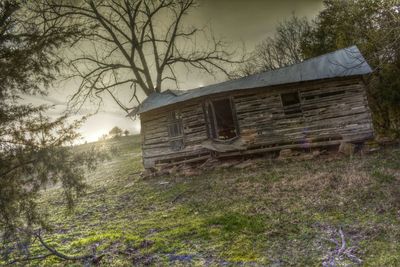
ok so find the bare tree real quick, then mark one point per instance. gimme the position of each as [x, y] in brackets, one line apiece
[134, 46]
[280, 50]
[285, 48]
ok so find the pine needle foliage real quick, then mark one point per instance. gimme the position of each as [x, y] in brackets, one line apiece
[35, 150]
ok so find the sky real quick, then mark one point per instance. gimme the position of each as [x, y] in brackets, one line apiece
[240, 22]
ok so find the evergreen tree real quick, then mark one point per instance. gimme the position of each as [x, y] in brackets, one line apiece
[35, 151]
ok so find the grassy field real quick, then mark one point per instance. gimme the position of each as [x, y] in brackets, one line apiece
[276, 213]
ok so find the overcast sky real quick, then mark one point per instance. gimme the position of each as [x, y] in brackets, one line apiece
[238, 21]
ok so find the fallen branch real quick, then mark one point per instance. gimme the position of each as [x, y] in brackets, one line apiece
[340, 252]
[53, 252]
[177, 197]
[343, 247]
[59, 254]
[40, 257]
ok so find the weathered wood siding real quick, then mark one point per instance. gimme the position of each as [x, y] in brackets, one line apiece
[156, 148]
[331, 111]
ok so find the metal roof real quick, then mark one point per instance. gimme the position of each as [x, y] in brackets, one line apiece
[345, 62]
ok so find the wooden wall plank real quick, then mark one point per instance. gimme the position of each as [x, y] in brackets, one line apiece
[332, 110]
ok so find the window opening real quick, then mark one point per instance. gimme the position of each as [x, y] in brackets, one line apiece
[223, 126]
[291, 103]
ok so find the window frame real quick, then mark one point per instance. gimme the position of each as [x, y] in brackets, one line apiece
[211, 119]
[175, 121]
[292, 109]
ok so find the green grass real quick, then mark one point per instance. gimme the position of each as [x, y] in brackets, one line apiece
[278, 213]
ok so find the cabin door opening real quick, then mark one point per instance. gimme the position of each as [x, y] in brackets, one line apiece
[221, 119]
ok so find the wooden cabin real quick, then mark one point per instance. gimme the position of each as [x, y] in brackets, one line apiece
[319, 102]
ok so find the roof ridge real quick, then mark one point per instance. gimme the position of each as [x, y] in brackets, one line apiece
[288, 66]
[330, 65]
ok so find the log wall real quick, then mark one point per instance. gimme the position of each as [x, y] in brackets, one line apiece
[331, 111]
[156, 149]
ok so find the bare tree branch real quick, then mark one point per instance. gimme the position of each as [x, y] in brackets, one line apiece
[138, 41]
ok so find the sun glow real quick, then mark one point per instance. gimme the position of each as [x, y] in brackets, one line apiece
[93, 137]
[136, 127]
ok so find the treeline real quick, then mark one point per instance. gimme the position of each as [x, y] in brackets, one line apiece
[372, 25]
[114, 133]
